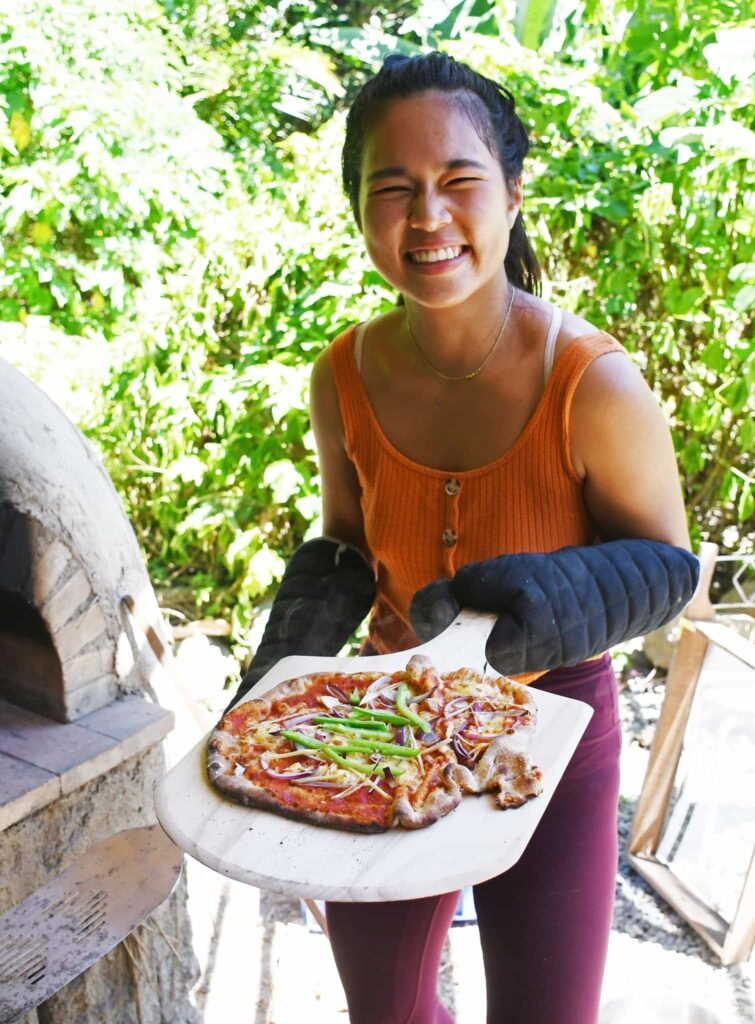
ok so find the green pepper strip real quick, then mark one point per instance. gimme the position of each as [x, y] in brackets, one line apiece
[305, 741]
[354, 698]
[367, 739]
[391, 749]
[402, 695]
[368, 727]
[383, 716]
[356, 746]
[355, 766]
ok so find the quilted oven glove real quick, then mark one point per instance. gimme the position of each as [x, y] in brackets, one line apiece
[565, 606]
[327, 589]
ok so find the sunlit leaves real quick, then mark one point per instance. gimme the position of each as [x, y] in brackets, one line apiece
[732, 56]
[20, 130]
[533, 20]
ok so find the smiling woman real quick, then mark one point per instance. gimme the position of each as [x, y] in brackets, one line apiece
[480, 448]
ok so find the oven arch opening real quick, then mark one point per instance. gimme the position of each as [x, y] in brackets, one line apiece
[31, 674]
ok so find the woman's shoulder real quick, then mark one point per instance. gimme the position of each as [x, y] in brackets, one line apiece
[575, 328]
[335, 359]
[611, 389]
[535, 317]
[605, 368]
[595, 362]
[334, 377]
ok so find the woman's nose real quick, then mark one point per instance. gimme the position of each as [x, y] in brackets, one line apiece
[428, 211]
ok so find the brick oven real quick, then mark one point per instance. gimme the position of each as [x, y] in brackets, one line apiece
[81, 731]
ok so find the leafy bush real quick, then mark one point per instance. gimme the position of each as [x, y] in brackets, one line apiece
[227, 439]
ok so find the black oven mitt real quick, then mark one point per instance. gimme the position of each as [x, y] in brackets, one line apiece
[327, 589]
[562, 607]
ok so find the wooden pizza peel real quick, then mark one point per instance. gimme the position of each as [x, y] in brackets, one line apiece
[474, 842]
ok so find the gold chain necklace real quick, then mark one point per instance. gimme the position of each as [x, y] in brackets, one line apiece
[483, 364]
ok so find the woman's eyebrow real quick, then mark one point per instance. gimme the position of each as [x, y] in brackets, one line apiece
[450, 165]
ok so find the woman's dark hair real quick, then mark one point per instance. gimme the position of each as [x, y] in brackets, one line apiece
[489, 106]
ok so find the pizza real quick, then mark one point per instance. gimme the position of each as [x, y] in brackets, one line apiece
[369, 751]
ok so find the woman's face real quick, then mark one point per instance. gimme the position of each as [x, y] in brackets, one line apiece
[433, 205]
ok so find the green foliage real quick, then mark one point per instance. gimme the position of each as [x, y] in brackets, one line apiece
[658, 239]
[533, 21]
[107, 173]
[169, 182]
[215, 455]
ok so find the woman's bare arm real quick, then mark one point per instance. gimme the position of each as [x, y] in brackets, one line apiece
[341, 493]
[621, 445]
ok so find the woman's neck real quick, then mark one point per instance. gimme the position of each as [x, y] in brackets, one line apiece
[456, 339]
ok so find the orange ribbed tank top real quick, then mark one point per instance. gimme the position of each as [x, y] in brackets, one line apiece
[422, 523]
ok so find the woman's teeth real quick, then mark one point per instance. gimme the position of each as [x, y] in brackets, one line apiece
[435, 255]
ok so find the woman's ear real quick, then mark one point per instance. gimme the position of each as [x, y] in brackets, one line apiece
[516, 198]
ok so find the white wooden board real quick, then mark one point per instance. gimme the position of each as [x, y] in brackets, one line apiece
[474, 842]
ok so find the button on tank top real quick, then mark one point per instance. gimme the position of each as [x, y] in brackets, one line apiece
[423, 523]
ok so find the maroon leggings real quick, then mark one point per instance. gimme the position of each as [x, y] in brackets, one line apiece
[544, 923]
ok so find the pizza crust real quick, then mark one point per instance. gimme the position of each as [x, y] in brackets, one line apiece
[441, 800]
[243, 791]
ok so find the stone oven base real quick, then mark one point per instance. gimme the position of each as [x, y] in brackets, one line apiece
[41, 760]
[147, 978]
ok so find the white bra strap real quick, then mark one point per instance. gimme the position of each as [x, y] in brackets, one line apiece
[358, 342]
[550, 342]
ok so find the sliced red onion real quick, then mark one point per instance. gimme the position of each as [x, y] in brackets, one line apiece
[477, 737]
[456, 706]
[375, 687]
[460, 749]
[335, 691]
[322, 784]
[300, 719]
[300, 773]
[428, 738]
[485, 716]
[337, 711]
[401, 736]
[422, 696]
[386, 700]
